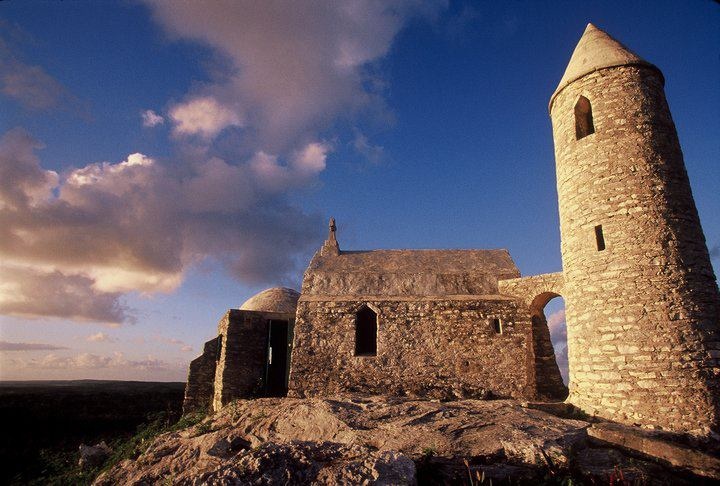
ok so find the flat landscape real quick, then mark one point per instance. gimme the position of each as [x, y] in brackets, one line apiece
[44, 422]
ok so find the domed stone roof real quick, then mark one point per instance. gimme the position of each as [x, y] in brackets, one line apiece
[276, 299]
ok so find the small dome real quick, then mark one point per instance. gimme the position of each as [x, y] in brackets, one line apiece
[276, 299]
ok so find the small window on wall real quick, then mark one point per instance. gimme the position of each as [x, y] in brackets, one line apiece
[599, 238]
[219, 347]
[583, 118]
[496, 325]
[366, 332]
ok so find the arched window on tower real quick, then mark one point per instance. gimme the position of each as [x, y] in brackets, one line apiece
[583, 118]
[365, 332]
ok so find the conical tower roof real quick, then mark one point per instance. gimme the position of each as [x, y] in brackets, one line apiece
[596, 50]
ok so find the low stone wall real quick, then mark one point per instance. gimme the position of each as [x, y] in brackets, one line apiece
[201, 378]
[437, 347]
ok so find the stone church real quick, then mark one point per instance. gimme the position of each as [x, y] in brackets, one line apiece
[642, 302]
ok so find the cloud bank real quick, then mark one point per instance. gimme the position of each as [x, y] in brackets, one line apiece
[90, 361]
[8, 346]
[292, 70]
[74, 242]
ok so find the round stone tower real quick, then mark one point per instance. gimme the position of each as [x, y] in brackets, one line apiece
[642, 303]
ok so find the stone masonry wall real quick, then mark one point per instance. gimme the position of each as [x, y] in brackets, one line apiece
[643, 314]
[241, 366]
[437, 347]
[536, 292]
[199, 388]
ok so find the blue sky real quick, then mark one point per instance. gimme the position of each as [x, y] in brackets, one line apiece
[424, 125]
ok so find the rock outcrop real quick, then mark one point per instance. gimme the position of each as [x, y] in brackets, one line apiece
[376, 440]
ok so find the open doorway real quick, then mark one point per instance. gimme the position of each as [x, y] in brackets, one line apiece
[277, 364]
[550, 347]
[555, 315]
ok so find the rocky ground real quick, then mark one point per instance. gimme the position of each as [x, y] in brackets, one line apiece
[387, 441]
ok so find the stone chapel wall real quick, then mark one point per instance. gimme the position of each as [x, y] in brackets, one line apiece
[435, 347]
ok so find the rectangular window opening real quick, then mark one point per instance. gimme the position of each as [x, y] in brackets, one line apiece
[497, 325]
[599, 238]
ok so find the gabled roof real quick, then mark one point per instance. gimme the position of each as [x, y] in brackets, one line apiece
[596, 50]
[408, 273]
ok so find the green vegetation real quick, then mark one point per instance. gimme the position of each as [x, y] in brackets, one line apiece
[43, 424]
[60, 467]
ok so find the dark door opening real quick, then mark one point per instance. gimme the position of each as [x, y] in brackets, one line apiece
[277, 365]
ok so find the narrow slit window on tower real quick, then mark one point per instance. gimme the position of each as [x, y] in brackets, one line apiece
[583, 118]
[497, 325]
[599, 238]
[365, 332]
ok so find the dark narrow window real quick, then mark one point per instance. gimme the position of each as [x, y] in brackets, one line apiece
[219, 347]
[496, 325]
[583, 118]
[599, 238]
[365, 332]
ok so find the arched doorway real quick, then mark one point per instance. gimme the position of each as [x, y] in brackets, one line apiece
[550, 346]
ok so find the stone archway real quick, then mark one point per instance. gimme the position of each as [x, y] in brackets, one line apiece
[548, 379]
[536, 292]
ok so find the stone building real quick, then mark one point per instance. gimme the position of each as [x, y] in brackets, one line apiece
[642, 302]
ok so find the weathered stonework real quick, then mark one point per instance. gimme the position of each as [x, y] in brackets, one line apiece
[643, 313]
[535, 292]
[642, 303]
[241, 364]
[199, 390]
[434, 347]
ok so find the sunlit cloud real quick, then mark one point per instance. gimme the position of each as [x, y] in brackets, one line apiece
[100, 337]
[71, 245]
[99, 230]
[293, 71]
[204, 117]
[90, 361]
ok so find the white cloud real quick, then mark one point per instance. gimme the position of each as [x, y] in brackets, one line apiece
[293, 71]
[204, 117]
[72, 245]
[310, 160]
[103, 229]
[100, 337]
[151, 119]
